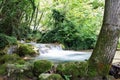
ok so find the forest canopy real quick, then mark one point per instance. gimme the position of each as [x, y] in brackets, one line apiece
[73, 23]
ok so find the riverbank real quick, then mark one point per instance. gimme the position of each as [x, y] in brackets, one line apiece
[116, 57]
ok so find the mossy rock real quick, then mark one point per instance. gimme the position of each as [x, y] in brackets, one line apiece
[19, 71]
[25, 49]
[9, 58]
[73, 69]
[50, 77]
[41, 66]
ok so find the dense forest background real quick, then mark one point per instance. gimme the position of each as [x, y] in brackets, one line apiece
[72, 23]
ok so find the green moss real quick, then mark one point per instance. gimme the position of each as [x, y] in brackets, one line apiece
[41, 66]
[3, 69]
[50, 77]
[103, 69]
[21, 61]
[55, 77]
[25, 49]
[19, 71]
[73, 69]
[9, 58]
[92, 72]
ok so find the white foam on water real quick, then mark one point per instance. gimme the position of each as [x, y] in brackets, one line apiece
[54, 52]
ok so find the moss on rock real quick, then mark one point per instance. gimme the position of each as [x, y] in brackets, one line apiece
[21, 61]
[41, 66]
[9, 58]
[55, 77]
[25, 49]
[50, 77]
[19, 71]
[73, 69]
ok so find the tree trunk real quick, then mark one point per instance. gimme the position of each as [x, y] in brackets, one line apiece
[104, 51]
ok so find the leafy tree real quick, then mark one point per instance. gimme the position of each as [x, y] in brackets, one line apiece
[16, 16]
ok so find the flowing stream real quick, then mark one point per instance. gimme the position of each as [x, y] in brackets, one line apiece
[55, 53]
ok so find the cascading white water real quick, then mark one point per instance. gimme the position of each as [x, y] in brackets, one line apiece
[54, 52]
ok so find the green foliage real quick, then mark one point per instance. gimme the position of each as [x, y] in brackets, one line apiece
[6, 41]
[73, 69]
[12, 40]
[67, 77]
[9, 58]
[65, 32]
[41, 66]
[74, 23]
[58, 17]
[16, 17]
[3, 41]
[25, 49]
[96, 4]
[34, 36]
[118, 46]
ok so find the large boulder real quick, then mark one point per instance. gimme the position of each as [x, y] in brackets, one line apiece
[41, 66]
[26, 49]
[19, 71]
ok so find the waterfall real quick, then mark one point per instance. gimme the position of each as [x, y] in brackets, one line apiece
[45, 48]
[55, 53]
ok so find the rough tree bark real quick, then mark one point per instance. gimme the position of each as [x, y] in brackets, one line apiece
[104, 51]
